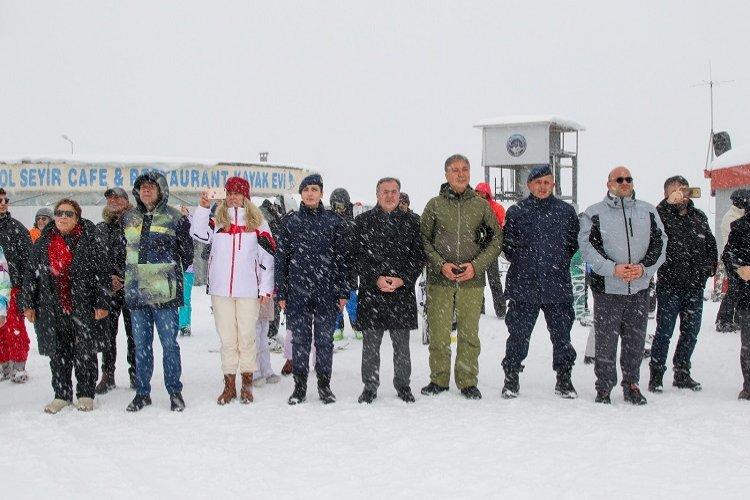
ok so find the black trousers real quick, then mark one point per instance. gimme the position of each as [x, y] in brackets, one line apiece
[744, 318]
[109, 350]
[72, 352]
[371, 340]
[495, 280]
[727, 309]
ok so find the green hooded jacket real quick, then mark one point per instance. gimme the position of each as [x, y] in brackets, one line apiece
[449, 226]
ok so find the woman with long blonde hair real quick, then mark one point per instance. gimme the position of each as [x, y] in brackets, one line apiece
[240, 279]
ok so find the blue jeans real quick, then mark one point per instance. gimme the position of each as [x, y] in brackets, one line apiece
[166, 321]
[688, 305]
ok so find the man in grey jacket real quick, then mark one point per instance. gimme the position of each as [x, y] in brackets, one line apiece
[624, 242]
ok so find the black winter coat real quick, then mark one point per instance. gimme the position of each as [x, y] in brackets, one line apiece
[90, 285]
[387, 244]
[16, 243]
[691, 256]
[310, 263]
[540, 238]
[737, 254]
[111, 235]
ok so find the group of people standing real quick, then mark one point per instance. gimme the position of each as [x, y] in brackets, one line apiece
[76, 279]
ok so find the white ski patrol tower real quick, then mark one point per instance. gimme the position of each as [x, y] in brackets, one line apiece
[513, 145]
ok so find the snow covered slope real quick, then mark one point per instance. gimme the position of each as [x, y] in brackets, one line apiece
[682, 444]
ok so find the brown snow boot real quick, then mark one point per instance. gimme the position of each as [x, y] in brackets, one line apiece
[230, 389]
[287, 368]
[246, 392]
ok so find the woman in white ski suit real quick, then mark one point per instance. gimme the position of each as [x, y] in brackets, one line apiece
[240, 278]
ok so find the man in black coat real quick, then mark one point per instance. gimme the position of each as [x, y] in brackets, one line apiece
[113, 238]
[736, 259]
[14, 341]
[541, 235]
[387, 256]
[691, 258]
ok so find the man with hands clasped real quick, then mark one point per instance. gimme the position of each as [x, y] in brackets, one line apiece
[624, 242]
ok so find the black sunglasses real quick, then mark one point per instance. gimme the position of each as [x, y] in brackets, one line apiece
[65, 213]
[4, 200]
[620, 180]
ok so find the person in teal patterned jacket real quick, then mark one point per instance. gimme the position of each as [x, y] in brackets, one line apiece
[158, 249]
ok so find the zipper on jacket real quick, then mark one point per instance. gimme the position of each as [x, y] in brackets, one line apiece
[458, 233]
[627, 234]
[231, 270]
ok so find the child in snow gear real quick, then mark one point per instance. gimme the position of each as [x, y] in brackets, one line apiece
[113, 239]
[264, 373]
[341, 205]
[622, 265]
[387, 259]
[691, 258]
[65, 295]
[540, 238]
[455, 275]
[240, 279]
[158, 250]
[312, 284]
[14, 340]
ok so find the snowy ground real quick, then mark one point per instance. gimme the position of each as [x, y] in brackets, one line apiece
[682, 444]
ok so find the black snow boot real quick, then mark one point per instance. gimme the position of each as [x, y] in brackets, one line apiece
[139, 402]
[656, 380]
[299, 395]
[367, 397]
[176, 403]
[744, 395]
[405, 395]
[564, 386]
[588, 360]
[324, 389]
[632, 394]
[603, 398]
[432, 389]
[471, 392]
[683, 380]
[511, 386]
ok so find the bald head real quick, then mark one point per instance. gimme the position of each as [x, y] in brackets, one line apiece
[620, 182]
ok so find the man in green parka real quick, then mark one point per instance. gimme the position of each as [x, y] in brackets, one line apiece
[461, 238]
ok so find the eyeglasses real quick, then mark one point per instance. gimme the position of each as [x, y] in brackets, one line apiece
[4, 201]
[65, 213]
[621, 180]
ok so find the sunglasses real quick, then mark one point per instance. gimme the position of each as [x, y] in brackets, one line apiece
[4, 201]
[65, 213]
[621, 180]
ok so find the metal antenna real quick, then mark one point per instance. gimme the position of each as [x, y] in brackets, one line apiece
[710, 83]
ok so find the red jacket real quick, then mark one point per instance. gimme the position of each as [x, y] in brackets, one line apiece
[483, 190]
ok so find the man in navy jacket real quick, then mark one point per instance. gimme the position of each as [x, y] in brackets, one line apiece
[540, 239]
[311, 271]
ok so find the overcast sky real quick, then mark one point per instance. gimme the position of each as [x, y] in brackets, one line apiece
[360, 90]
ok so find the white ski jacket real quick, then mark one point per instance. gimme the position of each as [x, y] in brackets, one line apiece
[238, 266]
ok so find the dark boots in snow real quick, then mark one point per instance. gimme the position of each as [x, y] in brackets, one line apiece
[471, 392]
[230, 389]
[106, 384]
[139, 402]
[564, 386]
[632, 394]
[511, 385]
[656, 380]
[300, 390]
[683, 380]
[176, 403]
[324, 389]
[367, 397]
[287, 368]
[432, 389]
[405, 395]
[603, 398]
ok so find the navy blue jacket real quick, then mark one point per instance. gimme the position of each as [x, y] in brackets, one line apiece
[540, 238]
[310, 261]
